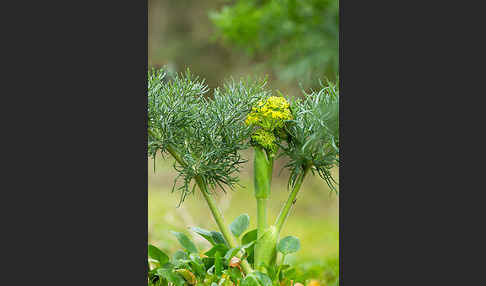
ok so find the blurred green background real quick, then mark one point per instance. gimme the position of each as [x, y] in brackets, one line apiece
[293, 43]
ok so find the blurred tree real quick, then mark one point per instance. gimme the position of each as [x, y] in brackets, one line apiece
[179, 36]
[299, 37]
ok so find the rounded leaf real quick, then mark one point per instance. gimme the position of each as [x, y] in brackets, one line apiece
[240, 224]
[289, 244]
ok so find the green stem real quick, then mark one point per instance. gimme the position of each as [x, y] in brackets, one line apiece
[284, 212]
[176, 156]
[262, 169]
[217, 215]
[261, 216]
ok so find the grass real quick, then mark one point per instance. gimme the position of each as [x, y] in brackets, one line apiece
[313, 219]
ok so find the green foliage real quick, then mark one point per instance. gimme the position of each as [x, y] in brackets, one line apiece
[326, 271]
[221, 248]
[187, 267]
[314, 134]
[185, 242]
[212, 236]
[188, 276]
[158, 255]
[288, 244]
[249, 237]
[300, 36]
[240, 224]
[256, 278]
[203, 133]
[170, 276]
[180, 255]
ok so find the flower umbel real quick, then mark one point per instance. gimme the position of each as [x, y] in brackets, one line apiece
[270, 115]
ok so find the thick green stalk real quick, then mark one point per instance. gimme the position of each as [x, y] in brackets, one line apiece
[217, 215]
[263, 194]
[284, 212]
[266, 249]
[261, 216]
[263, 165]
[266, 246]
[262, 169]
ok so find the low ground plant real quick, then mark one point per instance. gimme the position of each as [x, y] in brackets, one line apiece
[205, 135]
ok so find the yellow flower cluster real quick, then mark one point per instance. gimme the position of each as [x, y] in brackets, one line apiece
[269, 114]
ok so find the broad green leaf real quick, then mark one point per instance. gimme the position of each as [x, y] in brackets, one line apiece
[263, 278]
[240, 224]
[203, 232]
[249, 236]
[218, 247]
[180, 255]
[197, 264]
[218, 238]
[250, 280]
[157, 254]
[289, 244]
[213, 237]
[171, 276]
[248, 245]
[185, 242]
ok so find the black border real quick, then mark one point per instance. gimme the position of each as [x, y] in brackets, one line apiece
[76, 164]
